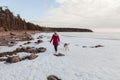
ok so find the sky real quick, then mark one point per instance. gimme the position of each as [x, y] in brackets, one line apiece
[98, 15]
[30, 9]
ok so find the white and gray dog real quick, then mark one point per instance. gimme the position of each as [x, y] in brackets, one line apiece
[66, 46]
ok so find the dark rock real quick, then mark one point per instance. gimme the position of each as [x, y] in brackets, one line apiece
[40, 37]
[3, 59]
[12, 34]
[41, 49]
[59, 54]
[11, 43]
[98, 46]
[84, 46]
[32, 56]
[53, 77]
[23, 49]
[28, 47]
[18, 49]
[39, 41]
[27, 43]
[26, 57]
[13, 59]
[20, 45]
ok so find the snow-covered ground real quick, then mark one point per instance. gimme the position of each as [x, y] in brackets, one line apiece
[102, 63]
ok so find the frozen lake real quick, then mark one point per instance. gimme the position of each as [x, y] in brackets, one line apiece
[79, 63]
[99, 35]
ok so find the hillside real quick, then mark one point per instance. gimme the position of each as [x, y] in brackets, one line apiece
[10, 22]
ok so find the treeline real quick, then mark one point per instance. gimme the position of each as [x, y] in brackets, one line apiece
[10, 22]
[66, 29]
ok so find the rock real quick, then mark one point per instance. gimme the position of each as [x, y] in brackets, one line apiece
[18, 49]
[23, 55]
[33, 47]
[98, 46]
[32, 56]
[20, 45]
[28, 47]
[53, 77]
[40, 37]
[59, 54]
[41, 49]
[27, 38]
[13, 59]
[27, 43]
[12, 34]
[11, 43]
[32, 51]
[23, 49]
[39, 41]
[23, 58]
[3, 59]
[84, 46]
[36, 42]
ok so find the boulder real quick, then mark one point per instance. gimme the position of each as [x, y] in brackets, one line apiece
[23, 55]
[11, 43]
[18, 49]
[84, 46]
[28, 47]
[12, 34]
[98, 46]
[23, 49]
[59, 54]
[13, 59]
[32, 56]
[20, 45]
[53, 77]
[41, 49]
[2, 59]
[40, 37]
[27, 38]
[27, 43]
[39, 41]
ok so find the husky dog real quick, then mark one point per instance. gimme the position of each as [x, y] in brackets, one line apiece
[66, 46]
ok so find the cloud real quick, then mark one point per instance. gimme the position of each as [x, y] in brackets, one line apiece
[84, 13]
[60, 1]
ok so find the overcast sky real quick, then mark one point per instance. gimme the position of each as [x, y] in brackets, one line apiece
[99, 15]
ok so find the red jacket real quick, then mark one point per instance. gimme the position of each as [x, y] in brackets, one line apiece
[55, 39]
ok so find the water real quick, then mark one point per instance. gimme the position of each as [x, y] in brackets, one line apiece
[98, 35]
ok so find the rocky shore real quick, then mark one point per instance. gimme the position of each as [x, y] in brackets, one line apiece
[10, 37]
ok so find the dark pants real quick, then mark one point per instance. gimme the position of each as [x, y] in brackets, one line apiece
[55, 47]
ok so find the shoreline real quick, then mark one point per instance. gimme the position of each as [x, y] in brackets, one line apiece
[12, 36]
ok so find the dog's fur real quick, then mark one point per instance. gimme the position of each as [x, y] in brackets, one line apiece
[66, 46]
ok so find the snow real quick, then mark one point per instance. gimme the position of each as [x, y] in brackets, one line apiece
[79, 63]
[23, 54]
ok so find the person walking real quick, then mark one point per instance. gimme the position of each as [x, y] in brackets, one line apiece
[55, 39]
